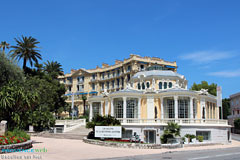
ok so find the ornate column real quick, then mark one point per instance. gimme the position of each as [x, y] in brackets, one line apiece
[112, 108]
[124, 109]
[176, 106]
[139, 108]
[162, 112]
[91, 112]
[106, 107]
[202, 105]
[101, 109]
[191, 107]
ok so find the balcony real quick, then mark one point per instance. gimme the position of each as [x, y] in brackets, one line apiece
[234, 116]
[80, 81]
[68, 82]
[184, 121]
[81, 90]
[93, 80]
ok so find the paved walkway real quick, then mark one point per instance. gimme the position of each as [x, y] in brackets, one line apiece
[62, 149]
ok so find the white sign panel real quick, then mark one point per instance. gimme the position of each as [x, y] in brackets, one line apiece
[219, 96]
[108, 131]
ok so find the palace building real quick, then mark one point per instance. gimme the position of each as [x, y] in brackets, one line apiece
[112, 78]
[145, 93]
[158, 95]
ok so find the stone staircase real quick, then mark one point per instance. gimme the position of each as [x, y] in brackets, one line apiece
[77, 133]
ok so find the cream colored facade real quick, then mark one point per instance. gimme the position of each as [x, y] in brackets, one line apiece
[110, 78]
[234, 107]
[156, 96]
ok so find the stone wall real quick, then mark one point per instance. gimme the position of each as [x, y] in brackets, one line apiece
[122, 145]
[14, 147]
[3, 127]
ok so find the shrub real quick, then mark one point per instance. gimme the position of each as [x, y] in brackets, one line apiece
[172, 131]
[183, 139]
[237, 123]
[190, 137]
[18, 133]
[103, 121]
[200, 138]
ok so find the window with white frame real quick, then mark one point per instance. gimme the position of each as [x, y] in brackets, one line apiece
[148, 85]
[160, 85]
[102, 85]
[118, 107]
[132, 107]
[96, 108]
[127, 134]
[143, 85]
[206, 134]
[169, 108]
[170, 85]
[93, 86]
[183, 107]
[165, 85]
[139, 86]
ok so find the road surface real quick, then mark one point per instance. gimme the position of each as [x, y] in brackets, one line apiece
[216, 154]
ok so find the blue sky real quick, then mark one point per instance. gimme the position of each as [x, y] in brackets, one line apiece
[202, 36]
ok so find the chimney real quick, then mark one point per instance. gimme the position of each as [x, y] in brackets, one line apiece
[118, 61]
[104, 65]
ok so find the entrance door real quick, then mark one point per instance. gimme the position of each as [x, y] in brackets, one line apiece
[150, 136]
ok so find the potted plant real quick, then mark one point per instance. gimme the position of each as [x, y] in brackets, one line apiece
[190, 137]
[200, 138]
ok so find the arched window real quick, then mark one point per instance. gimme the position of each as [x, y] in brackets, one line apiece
[160, 85]
[170, 85]
[165, 85]
[139, 86]
[148, 85]
[96, 108]
[132, 108]
[143, 85]
[183, 107]
[118, 107]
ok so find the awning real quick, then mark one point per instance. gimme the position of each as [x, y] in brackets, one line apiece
[170, 66]
[93, 92]
[77, 93]
[80, 93]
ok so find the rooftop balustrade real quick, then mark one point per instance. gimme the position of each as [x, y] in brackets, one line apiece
[183, 121]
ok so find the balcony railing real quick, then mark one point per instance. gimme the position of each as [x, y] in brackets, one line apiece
[68, 82]
[234, 116]
[92, 80]
[80, 81]
[179, 121]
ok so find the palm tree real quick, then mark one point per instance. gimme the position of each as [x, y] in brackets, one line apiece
[84, 98]
[53, 68]
[4, 45]
[26, 49]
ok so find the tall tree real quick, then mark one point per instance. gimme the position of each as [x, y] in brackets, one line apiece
[84, 98]
[4, 45]
[226, 107]
[54, 69]
[9, 70]
[26, 49]
[212, 88]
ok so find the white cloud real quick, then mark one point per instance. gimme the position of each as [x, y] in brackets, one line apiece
[201, 57]
[227, 74]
